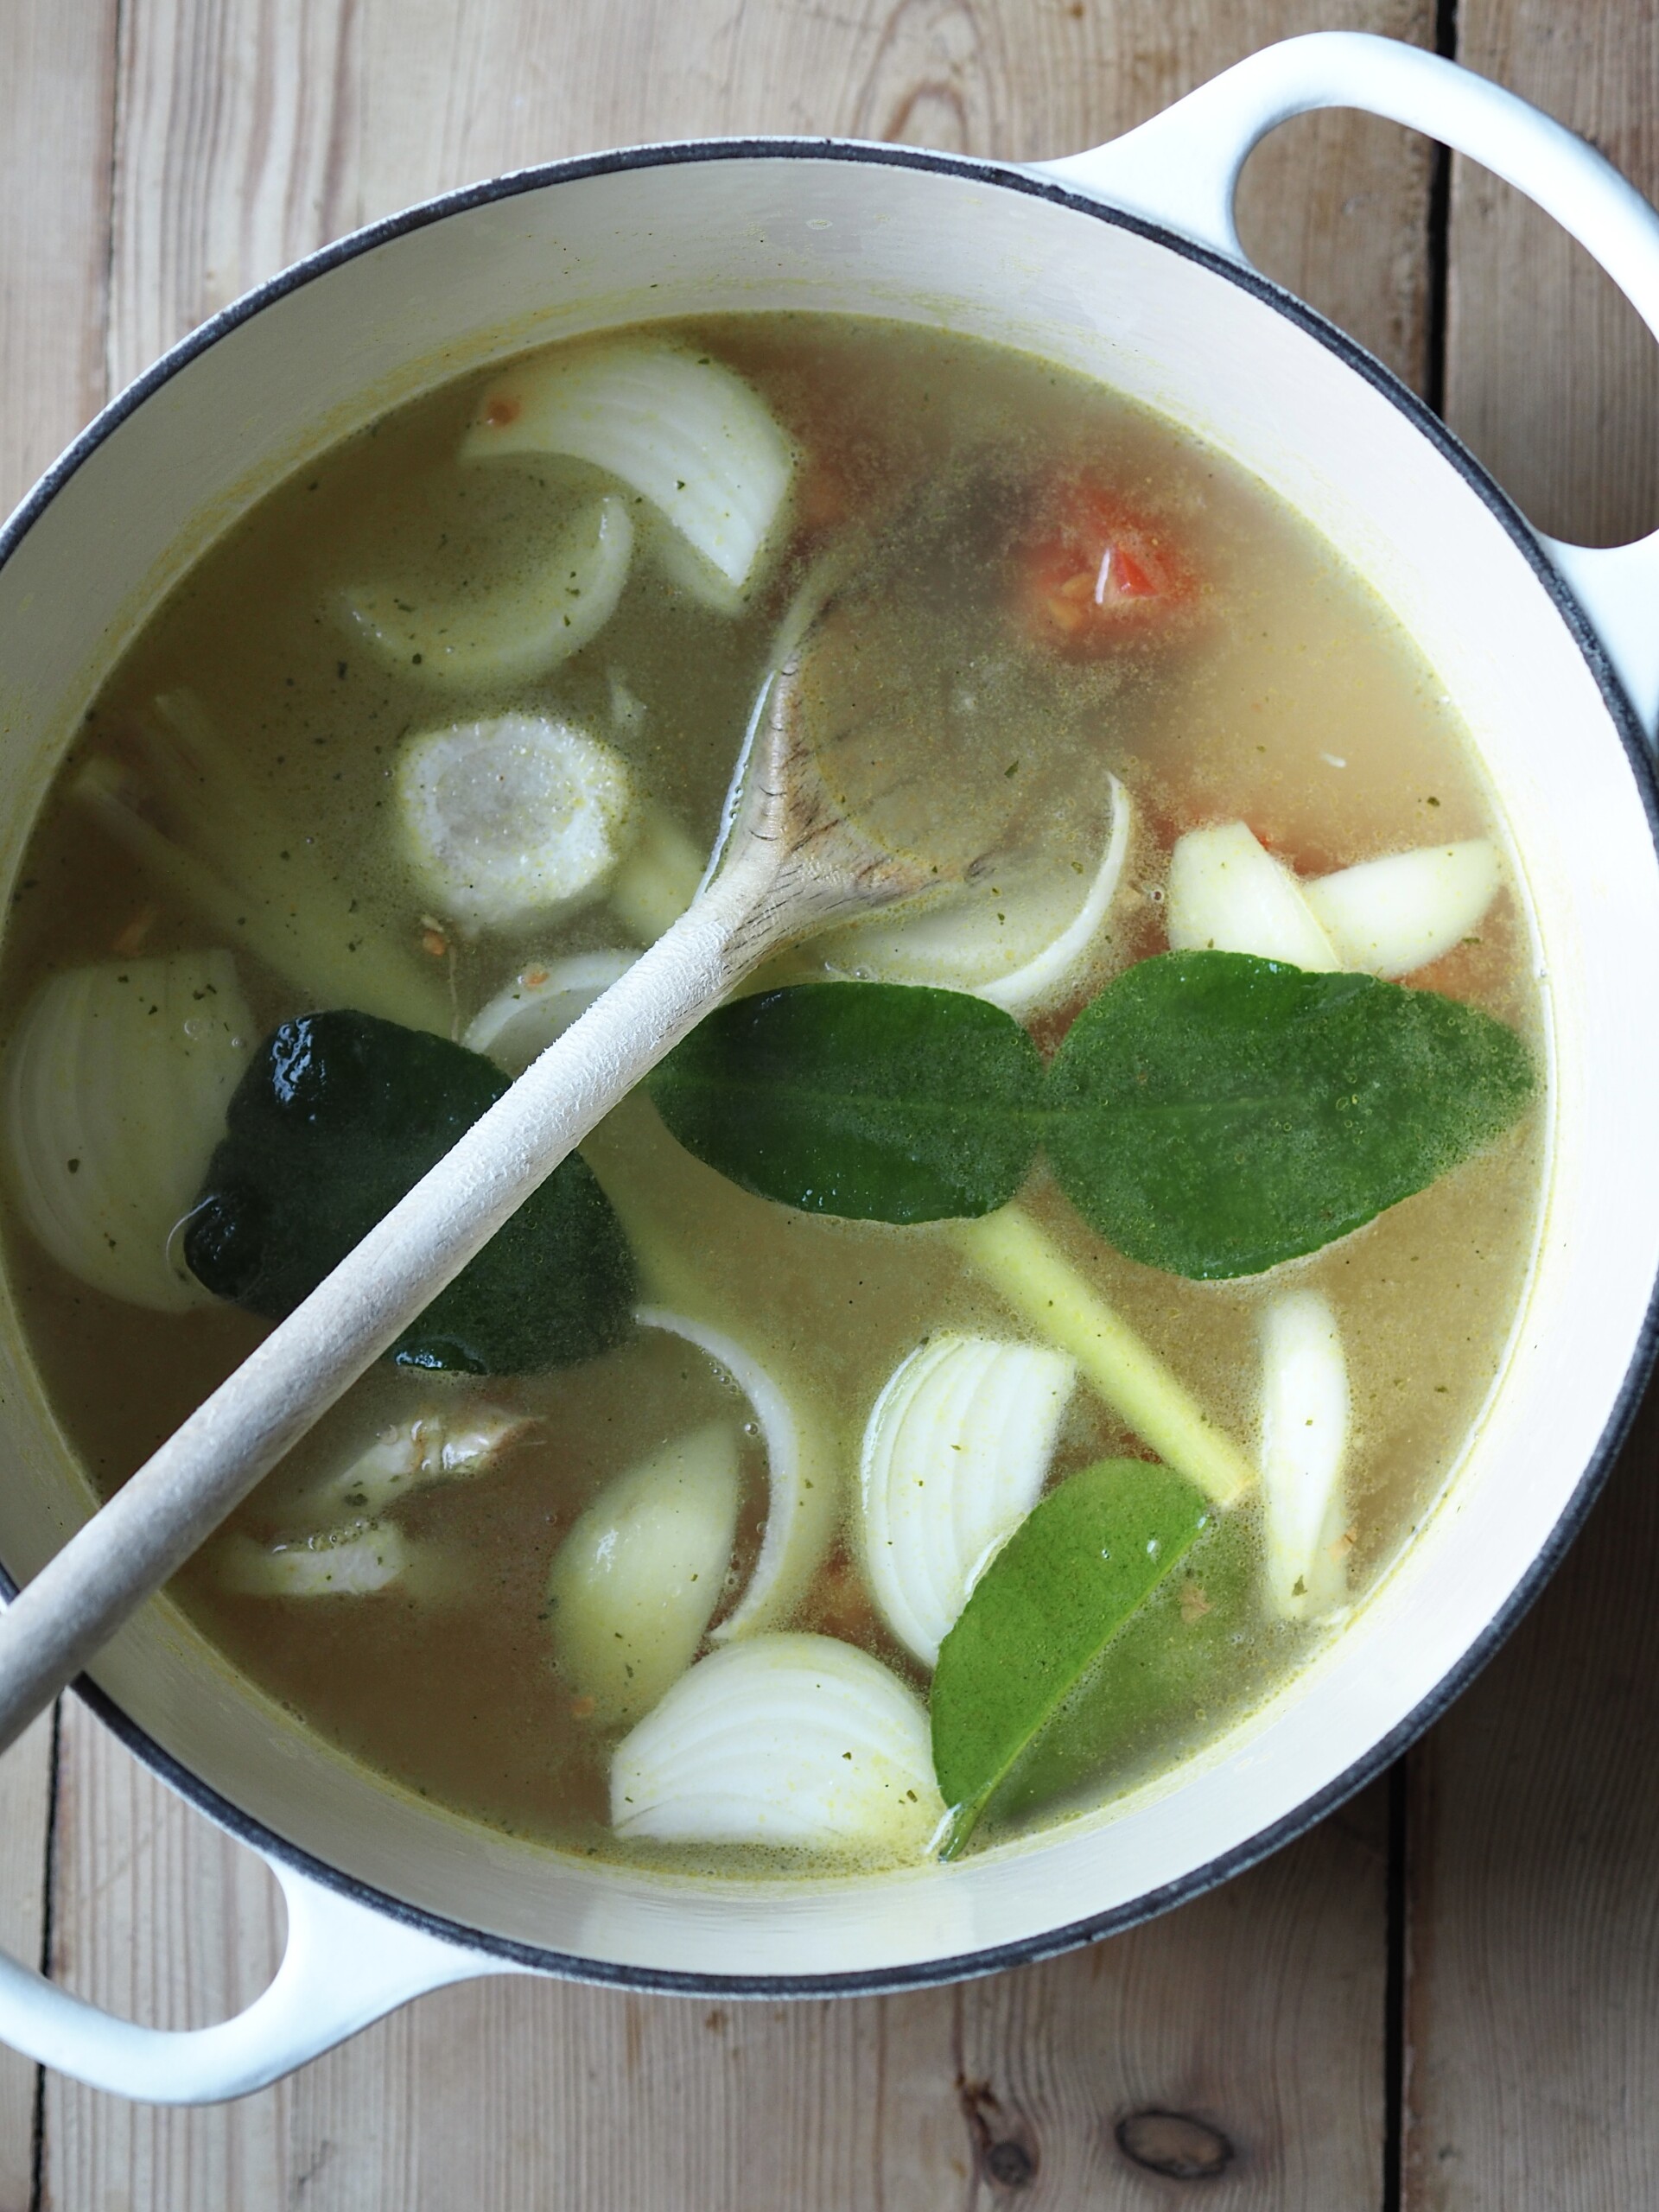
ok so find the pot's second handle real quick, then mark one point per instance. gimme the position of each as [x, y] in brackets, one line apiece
[344, 1965]
[1181, 171]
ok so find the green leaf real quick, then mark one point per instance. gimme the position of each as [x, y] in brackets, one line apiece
[1068, 1580]
[337, 1115]
[877, 1102]
[1212, 1113]
[1177, 1663]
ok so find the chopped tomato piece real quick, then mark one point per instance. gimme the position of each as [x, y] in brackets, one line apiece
[1096, 569]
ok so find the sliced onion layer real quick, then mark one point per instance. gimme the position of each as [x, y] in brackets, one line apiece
[520, 817]
[954, 1457]
[116, 1085]
[683, 431]
[1390, 916]
[516, 630]
[801, 1479]
[540, 1004]
[799, 1742]
[1304, 1422]
[1023, 937]
[637, 1578]
[1227, 893]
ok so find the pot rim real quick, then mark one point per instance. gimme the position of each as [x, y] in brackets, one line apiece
[1030, 181]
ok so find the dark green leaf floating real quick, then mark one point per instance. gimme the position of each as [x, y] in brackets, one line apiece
[877, 1102]
[1073, 1577]
[336, 1117]
[1210, 1113]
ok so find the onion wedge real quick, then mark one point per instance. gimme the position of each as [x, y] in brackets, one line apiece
[1304, 1422]
[540, 1004]
[1390, 916]
[954, 1454]
[1227, 893]
[800, 1475]
[637, 1578]
[799, 1742]
[116, 1080]
[1024, 941]
[685, 432]
[515, 632]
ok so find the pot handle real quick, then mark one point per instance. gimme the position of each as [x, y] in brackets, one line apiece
[344, 1965]
[1180, 170]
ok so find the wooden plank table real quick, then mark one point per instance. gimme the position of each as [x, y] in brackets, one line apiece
[1447, 1996]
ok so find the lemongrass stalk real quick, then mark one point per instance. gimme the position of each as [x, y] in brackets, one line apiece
[659, 880]
[1029, 1271]
[332, 958]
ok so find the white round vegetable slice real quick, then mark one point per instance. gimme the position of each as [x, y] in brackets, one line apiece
[116, 1085]
[1021, 940]
[1305, 1417]
[540, 1004]
[684, 430]
[349, 1562]
[1390, 916]
[516, 818]
[800, 1479]
[1228, 894]
[955, 1453]
[513, 630]
[636, 1580]
[799, 1742]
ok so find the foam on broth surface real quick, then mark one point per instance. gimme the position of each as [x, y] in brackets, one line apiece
[1294, 703]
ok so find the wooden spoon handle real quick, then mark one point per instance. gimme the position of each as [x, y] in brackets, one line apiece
[179, 1495]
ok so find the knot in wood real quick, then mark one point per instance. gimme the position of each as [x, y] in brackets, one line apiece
[1010, 2165]
[1175, 2144]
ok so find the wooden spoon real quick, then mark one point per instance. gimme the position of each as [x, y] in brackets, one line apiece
[791, 862]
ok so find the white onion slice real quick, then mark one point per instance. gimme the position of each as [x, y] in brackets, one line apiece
[800, 1477]
[520, 816]
[1021, 941]
[685, 431]
[1305, 1418]
[794, 1741]
[639, 1576]
[1388, 917]
[517, 630]
[540, 1004]
[437, 1445]
[350, 1562]
[1228, 894]
[116, 1085]
[955, 1453]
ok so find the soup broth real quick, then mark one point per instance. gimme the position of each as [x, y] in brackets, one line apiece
[1067, 630]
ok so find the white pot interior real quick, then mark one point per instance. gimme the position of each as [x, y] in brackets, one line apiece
[962, 251]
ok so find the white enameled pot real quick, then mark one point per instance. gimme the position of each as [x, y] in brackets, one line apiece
[1123, 263]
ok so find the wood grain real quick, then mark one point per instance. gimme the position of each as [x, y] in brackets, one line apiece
[56, 107]
[1254, 2014]
[1534, 2018]
[1549, 375]
[1534, 1880]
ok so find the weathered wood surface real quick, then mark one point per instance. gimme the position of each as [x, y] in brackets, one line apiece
[1533, 2013]
[164, 166]
[56, 92]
